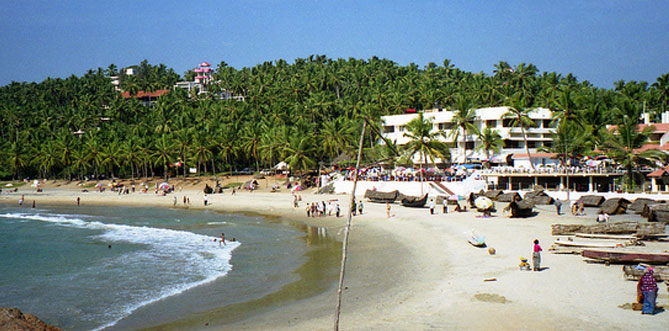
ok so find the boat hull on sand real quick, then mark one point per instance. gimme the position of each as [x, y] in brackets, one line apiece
[626, 257]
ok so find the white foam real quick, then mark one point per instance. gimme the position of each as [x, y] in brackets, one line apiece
[197, 254]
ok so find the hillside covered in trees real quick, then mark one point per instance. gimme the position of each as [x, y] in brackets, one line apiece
[306, 112]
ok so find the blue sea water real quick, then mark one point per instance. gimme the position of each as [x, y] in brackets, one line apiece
[86, 268]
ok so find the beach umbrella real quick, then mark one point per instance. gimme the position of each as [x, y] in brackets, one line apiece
[456, 198]
[98, 185]
[483, 203]
[163, 186]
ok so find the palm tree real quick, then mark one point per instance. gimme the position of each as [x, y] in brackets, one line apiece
[131, 154]
[623, 147]
[300, 152]
[519, 115]
[464, 119]
[490, 140]
[163, 153]
[251, 140]
[424, 141]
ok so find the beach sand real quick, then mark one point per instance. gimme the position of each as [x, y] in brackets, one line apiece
[416, 271]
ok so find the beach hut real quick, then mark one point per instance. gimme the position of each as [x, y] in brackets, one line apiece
[520, 208]
[592, 200]
[615, 206]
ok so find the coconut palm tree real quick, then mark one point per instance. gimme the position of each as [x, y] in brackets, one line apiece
[490, 140]
[162, 154]
[623, 147]
[519, 114]
[463, 119]
[424, 141]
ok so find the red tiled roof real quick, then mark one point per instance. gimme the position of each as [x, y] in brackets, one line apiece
[542, 155]
[647, 147]
[657, 127]
[659, 172]
[142, 94]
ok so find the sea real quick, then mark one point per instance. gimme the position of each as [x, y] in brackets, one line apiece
[95, 268]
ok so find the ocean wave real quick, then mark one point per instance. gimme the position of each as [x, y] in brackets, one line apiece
[177, 260]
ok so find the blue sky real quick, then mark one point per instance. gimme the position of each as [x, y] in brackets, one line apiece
[598, 41]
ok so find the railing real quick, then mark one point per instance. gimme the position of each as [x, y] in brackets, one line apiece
[551, 171]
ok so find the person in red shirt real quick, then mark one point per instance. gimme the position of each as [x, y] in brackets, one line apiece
[536, 256]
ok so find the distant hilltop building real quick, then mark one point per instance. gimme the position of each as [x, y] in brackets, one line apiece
[202, 81]
[394, 127]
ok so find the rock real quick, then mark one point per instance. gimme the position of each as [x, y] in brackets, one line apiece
[12, 319]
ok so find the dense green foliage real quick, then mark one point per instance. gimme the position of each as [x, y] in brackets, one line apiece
[305, 113]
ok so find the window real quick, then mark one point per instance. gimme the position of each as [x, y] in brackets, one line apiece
[446, 126]
[547, 123]
[470, 145]
[507, 123]
[388, 129]
[491, 123]
[511, 143]
[532, 144]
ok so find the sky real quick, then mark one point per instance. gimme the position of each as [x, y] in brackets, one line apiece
[598, 41]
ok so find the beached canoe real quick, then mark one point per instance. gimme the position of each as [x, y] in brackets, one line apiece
[626, 256]
[632, 273]
[414, 202]
[605, 236]
[592, 200]
[615, 206]
[382, 197]
[589, 244]
[477, 241]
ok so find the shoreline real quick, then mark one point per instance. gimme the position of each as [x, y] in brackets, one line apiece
[416, 271]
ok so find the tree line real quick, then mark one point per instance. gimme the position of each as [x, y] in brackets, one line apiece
[306, 113]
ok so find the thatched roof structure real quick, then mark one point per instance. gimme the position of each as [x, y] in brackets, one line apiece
[508, 197]
[539, 198]
[638, 205]
[615, 206]
[592, 200]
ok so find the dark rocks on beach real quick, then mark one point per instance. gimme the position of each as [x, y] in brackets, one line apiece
[12, 319]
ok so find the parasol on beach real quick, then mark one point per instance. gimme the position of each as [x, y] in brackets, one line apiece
[456, 197]
[163, 186]
[98, 185]
[483, 203]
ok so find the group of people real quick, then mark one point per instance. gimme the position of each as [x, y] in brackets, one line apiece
[320, 208]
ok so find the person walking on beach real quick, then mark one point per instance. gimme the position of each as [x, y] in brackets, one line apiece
[338, 210]
[388, 209]
[536, 256]
[205, 199]
[21, 200]
[222, 240]
[353, 210]
[360, 207]
[175, 201]
[78, 201]
[558, 205]
[647, 286]
[432, 207]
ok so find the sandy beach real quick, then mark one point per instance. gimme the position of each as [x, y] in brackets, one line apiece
[416, 271]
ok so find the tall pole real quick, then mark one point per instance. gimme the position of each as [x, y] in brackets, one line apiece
[347, 229]
[566, 137]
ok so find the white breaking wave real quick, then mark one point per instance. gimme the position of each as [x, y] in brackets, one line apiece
[180, 255]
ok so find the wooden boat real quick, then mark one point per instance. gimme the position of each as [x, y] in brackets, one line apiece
[589, 244]
[414, 202]
[508, 197]
[609, 228]
[382, 197]
[657, 212]
[632, 273]
[639, 204]
[477, 241]
[626, 256]
[605, 236]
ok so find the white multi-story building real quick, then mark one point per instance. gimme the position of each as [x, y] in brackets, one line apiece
[492, 117]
